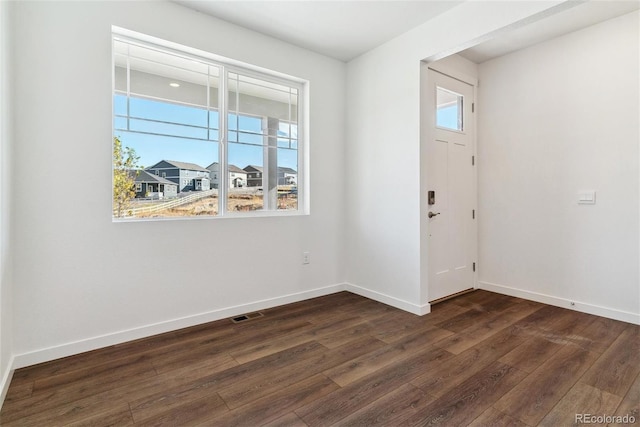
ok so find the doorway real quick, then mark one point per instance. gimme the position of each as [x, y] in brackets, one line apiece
[451, 185]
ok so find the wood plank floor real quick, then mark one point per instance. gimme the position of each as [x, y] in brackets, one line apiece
[480, 359]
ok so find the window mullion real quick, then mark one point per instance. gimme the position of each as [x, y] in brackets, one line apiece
[271, 164]
[128, 87]
[301, 151]
[266, 171]
[223, 102]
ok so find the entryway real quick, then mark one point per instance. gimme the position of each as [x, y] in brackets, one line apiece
[451, 185]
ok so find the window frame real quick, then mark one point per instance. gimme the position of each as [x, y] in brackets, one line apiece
[301, 87]
[227, 66]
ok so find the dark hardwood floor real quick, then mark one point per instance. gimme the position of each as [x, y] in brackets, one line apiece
[481, 359]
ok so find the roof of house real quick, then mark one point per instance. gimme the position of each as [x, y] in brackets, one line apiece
[251, 168]
[144, 176]
[256, 168]
[235, 169]
[287, 170]
[231, 168]
[181, 165]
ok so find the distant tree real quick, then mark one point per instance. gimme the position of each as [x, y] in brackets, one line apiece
[125, 171]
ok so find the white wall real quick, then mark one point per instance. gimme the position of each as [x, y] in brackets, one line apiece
[555, 119]
[6, 181]
[386, 221]
[83, 281]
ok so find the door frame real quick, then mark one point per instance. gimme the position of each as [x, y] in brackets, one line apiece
[427, 133]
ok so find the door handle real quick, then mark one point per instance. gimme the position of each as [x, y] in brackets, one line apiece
[431, 214]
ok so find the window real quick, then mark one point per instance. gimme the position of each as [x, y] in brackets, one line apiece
[174, 110]
[449, 110]
[138, 187]
[262, 128]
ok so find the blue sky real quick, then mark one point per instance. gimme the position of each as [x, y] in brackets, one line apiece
[447, 117]
[192, 135]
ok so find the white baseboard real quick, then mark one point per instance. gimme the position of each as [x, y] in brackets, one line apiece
[597, 310]
[69, 349]
[6, 380]
[389, 300]
[81, 346]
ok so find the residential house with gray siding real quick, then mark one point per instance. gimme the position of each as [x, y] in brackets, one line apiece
[287, 176]
[154, 186]
[254, 176]
[187, 176]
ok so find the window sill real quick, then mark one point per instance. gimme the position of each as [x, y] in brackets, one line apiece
[229, 215]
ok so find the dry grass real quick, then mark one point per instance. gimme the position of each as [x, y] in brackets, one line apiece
[209, 206]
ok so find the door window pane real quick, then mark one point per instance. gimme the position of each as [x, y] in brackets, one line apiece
[449, 109]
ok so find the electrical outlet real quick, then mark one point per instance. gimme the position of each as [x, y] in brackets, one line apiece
[306, 257]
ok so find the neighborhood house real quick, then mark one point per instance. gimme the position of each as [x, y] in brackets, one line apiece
[187, 176]
[287, 176]
[153, 186]
[167, 178]
[254, 176]
[237, 177]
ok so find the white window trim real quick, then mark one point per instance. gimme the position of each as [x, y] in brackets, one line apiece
[228, 65]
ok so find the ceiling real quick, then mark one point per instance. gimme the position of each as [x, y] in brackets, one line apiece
[339, 29]
[349, 28]
[575, 18]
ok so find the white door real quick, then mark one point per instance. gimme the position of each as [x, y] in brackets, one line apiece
[451, 187]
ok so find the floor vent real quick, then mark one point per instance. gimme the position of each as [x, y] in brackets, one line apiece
[245, 317]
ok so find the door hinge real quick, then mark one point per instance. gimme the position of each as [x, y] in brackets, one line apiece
[473, 214]
[474, 266]
[473, 107]
[473, 160]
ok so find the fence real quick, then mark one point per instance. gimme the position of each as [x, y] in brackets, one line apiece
[170, 203]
